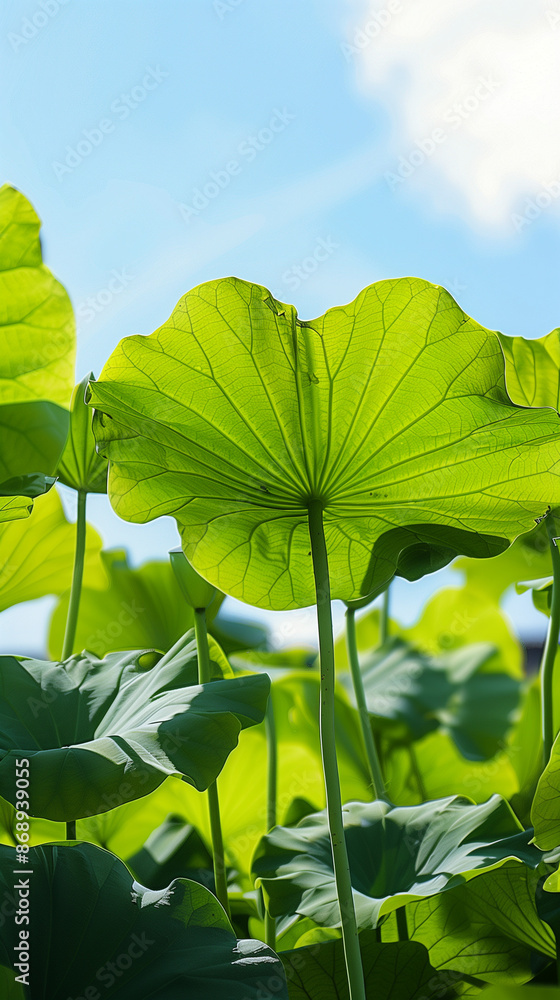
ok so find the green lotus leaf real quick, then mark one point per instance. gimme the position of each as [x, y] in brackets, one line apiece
[392, 411]
[541, 592]
[545, 812]
[98, 733]
[37, 555]
[37, 347]
[488, 928]
[532, 369]
[93, 931]
[395, 971]
[16, 494]
[410, 694]
[80, 467]
[527, 558]
[396, 855]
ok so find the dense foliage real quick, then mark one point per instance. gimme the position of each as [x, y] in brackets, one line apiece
[188, 812]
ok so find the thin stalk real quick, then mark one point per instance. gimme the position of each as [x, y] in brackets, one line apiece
[204, 676]
[417, 773]
[350, 940]
[384, 618]
[77, 576]
[551, 646]
[71, 830]
[402, 925]
[374, 765]
[271, 798]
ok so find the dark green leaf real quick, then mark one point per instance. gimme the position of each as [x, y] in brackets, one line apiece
[93, 928]
[396, 971]
[396, 855]
[98, 733]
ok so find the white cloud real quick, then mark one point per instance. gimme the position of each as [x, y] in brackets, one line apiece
[486, 74]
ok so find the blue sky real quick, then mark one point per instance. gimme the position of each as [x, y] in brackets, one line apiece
[311, 147]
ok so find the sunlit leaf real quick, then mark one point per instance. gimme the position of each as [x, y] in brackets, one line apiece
[392, 411]
[488, 928]
[37, 555]
[37, 347]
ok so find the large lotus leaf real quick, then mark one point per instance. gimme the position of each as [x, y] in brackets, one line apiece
[93, 931]
[488, 928]
[99, 733]
[80, 467]
[410, 694]
[396, 855]
[243, 781]
[391, 411]
[395, 971]
[37, 556]
[37, 346]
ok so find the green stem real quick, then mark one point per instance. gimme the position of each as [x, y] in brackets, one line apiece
[417, 773]
[343, 881]
[71, 830]
[204, 677]
[77, 576]
[550, 649]
[271, 798]
[402, 925]
[374, 765]
[384, 618]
